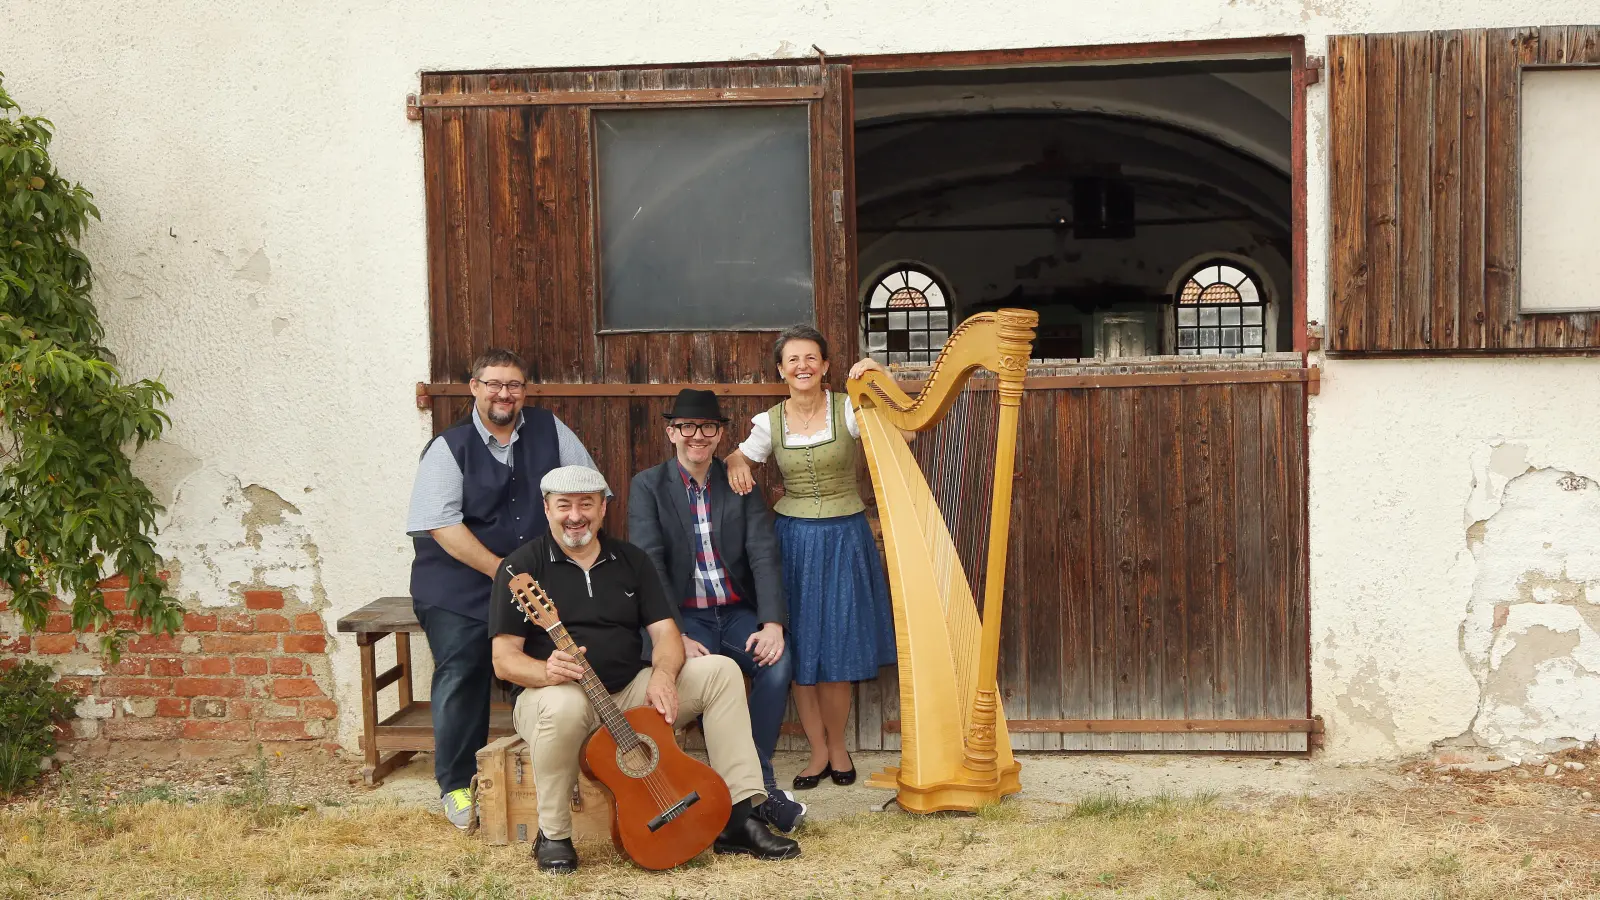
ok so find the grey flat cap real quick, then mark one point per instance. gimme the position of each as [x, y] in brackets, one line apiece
[573, 480]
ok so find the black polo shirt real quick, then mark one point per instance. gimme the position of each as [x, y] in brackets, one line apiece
[603, 608]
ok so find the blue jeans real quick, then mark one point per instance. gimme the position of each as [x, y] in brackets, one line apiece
[462, 674]
[724, 630]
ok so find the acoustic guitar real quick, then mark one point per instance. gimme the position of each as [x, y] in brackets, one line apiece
[667, 806]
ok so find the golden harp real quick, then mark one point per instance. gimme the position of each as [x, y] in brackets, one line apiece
[955, 753]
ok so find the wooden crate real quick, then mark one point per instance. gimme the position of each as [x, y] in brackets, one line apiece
[508, 808]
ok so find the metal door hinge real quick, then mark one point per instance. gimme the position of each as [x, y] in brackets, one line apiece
[1313, 68]
[413, 109]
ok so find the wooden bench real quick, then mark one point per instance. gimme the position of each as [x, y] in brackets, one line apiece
[409, 730]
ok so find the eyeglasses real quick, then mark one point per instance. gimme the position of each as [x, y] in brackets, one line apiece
[495, 387]
[706, 429]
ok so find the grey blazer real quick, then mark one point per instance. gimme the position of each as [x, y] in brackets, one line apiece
[661, 523]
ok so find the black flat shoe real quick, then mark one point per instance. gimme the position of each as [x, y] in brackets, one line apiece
[807, 782]
[555, 857]
[843, 776]
[752, 836]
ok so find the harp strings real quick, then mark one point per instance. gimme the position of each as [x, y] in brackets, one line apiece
[957, 457]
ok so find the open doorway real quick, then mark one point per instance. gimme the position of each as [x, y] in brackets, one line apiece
[1143, 208]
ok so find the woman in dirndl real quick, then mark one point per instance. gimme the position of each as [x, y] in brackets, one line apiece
[841, 625]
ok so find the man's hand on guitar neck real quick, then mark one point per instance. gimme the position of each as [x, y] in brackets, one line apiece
[563, 667]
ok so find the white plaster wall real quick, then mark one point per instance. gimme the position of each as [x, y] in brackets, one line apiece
[263, 253]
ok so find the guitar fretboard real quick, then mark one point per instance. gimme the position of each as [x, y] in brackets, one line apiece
[600, 698]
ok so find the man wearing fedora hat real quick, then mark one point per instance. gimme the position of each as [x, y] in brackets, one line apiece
[718, 556]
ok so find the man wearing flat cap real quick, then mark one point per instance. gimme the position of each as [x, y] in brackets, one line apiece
[718, 554]
[608, 594]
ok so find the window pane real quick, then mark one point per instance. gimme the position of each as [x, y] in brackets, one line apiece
[1252, 315]
[1208, 337]
[1230, 315]
[1186, 337]
[1208, 315]
[1188, 317]
[1252, 337]
[877, 340]
[919, 340]
[878, 321]
[938, 319]
[918, 319]
[705, 217]
[897, 320]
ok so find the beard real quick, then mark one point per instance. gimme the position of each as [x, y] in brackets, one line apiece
[582, 540]
[501, 418]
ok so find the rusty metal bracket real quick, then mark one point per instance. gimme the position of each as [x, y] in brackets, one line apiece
[1313, 70]
[413, 109]
[822, 57]
[424, 399]
[1314, 335]
[1313, 381]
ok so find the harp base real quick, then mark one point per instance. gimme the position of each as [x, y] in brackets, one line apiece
[956, 795]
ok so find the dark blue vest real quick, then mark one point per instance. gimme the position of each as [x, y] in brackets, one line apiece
[500, 504]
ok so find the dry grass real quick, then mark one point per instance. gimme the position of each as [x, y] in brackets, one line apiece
[244, 846]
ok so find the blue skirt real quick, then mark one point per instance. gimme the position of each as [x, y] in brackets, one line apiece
[841, 627]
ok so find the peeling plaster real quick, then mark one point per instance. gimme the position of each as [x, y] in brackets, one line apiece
[1531, 634]
[224, 537]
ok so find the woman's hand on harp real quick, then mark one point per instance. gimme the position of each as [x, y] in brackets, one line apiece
[865, 365]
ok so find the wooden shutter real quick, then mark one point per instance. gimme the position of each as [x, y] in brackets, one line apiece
[1424, 179]
[511, 244]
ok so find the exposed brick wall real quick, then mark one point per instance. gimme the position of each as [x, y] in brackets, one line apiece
[231, 677]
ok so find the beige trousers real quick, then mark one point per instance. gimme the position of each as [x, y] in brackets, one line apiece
[556, 720]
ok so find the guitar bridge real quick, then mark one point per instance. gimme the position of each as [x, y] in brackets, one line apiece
[673, 811]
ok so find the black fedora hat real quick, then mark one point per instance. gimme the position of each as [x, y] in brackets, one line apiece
[693, 404]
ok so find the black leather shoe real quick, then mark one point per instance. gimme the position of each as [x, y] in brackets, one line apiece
[753, 837]
[807, 782]
[557, 857]
[844, 776]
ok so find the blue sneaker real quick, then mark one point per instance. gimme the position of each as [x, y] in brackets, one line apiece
[781, 811]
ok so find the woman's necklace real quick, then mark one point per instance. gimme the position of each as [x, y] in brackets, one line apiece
[803, 425]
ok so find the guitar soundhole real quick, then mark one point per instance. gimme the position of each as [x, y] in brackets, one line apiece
[641, 760]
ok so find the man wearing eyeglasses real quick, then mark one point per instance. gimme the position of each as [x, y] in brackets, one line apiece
[476, 498]
[718, 555]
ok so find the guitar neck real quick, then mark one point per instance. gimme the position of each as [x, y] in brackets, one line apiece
[600, 698]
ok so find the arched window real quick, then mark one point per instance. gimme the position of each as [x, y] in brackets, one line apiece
[907, 316]
[1220, 310]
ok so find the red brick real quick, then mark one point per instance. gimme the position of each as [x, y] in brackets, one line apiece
[9, 663]
[210, 687]
[197, 622]
[304, 643]
[213, 730]
[288, 665]
[135, 687]
[238, 623]
[23, 644]
[115, 582]
[58, 624]
[319, 709]
[308, 622]
[143, 729]
[116, 600]
[56, 643]
[272, 622]
[207, 665]
[56, 604]
[241, 709]
[156, 643]
[263, 599]
[82, 685]
[128, 622]
[173, 707]
[130, 666]
[249, 665]
[296, 687]
[282, 731]
[239, 643]
[166, 666]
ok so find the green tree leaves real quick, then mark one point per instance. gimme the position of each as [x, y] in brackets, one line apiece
[71, 508]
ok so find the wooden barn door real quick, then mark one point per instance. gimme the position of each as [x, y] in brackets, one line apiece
[511, 169]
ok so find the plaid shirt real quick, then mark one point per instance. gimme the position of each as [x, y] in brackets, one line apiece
[712, 586]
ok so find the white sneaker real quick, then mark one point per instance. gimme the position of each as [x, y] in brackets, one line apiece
[459, 808]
